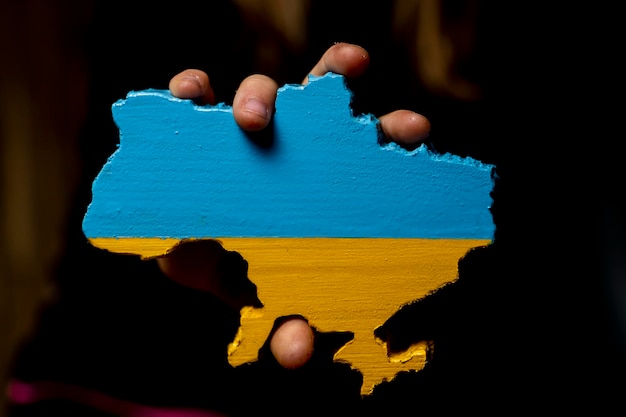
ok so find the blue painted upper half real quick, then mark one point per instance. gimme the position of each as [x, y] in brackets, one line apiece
[188, 171]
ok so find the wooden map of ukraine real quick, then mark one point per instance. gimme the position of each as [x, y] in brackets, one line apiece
[336, 225]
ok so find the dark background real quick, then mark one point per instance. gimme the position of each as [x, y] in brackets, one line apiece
[536, 320]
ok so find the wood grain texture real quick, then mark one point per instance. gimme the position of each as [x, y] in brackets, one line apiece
[336, 225]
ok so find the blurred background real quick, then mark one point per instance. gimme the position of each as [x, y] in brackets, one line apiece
[43, 92]
[521, 86]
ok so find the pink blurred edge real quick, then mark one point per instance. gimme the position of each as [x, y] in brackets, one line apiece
[25, 393]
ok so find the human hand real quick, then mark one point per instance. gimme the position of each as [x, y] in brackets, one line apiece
[292, 342]
[253, 104]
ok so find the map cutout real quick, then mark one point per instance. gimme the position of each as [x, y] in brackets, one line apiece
[336, 224]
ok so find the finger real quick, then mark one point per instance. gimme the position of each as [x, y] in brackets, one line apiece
[253, 105]
[342, 58]
[192, 84]
[205, 265]
[292, 343]
[193, 264]
[405, 127]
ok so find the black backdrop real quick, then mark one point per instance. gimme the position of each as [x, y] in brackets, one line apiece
[534, 321]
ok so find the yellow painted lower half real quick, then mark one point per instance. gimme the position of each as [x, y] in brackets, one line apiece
[352, 284]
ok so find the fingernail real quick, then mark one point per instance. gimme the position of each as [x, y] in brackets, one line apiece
[195, 81]
[256, 106]
[193, 78]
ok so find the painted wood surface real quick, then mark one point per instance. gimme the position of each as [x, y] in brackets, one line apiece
[336, 225]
